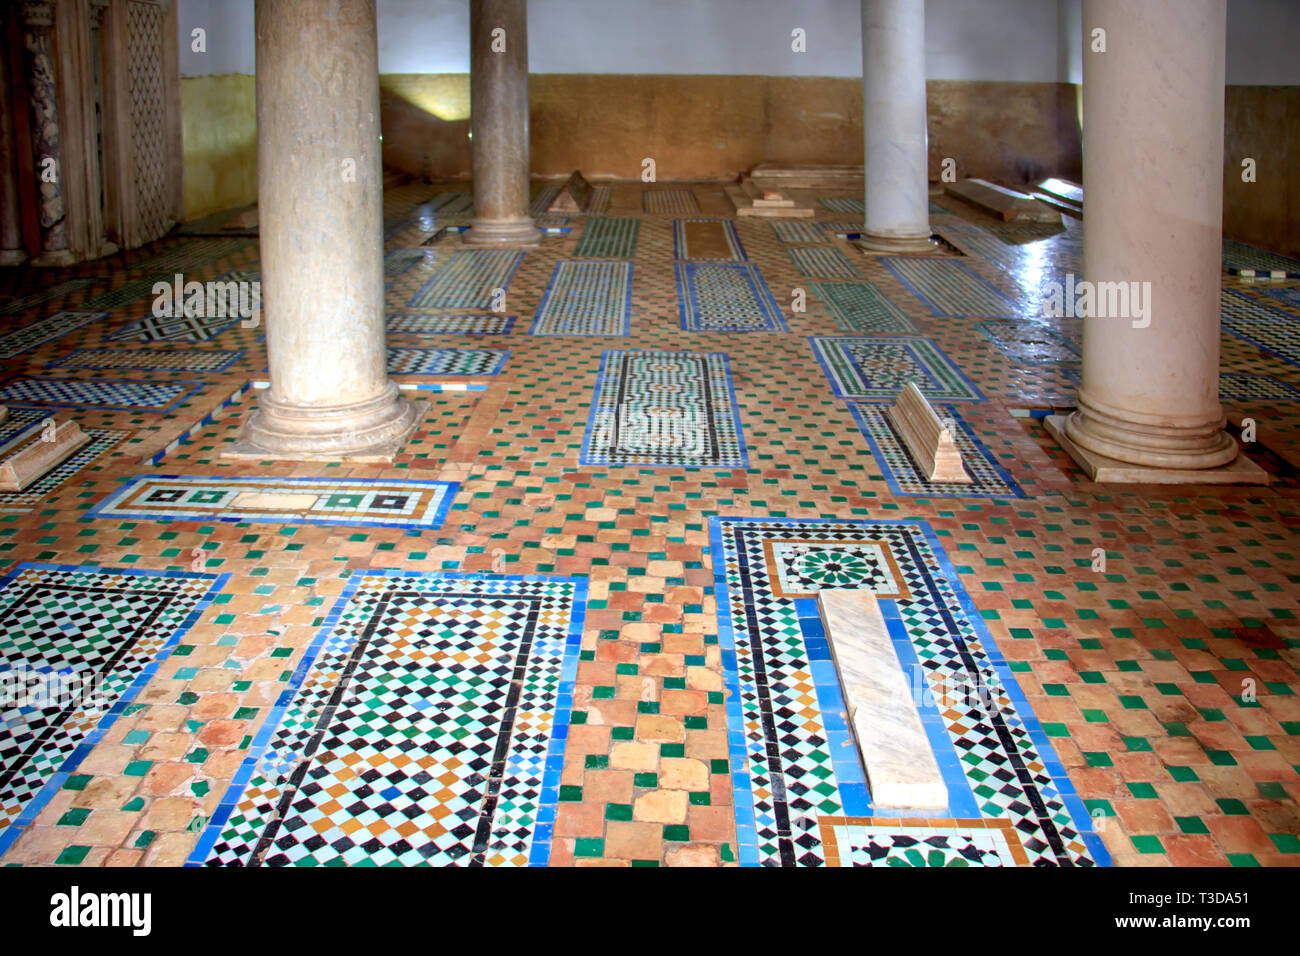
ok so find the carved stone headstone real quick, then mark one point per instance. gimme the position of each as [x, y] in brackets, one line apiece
[1006, 204]
[927, 438]
[574, 195]
[27, 464]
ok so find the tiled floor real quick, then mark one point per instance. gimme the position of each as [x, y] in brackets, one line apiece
[575, 622]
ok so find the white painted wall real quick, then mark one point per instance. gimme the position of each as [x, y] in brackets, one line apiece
[1264, 42]
[1012, 40]
[229, 28]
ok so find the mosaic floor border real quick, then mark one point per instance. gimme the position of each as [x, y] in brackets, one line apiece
[482, 794]
[31, 615]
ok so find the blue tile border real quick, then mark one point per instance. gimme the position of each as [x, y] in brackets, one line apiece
[584, 459]
[56, 782]
[543, 827]
[949, 763]
[937, 310]
[235, 356]
[451, 489]
[1014, 489]
[144, 409]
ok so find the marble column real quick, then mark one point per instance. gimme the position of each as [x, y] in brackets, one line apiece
[1148, 406]
[12, 252]
[498, 92]
[38, 19]
[320, 200]
[896, 180]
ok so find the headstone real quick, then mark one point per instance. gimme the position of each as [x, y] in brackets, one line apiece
[749, 199]
[782, 176]
[1006, 204]
[1061, 194]
[574, 195]
[902, 772]
[27, 464]
[927, 438]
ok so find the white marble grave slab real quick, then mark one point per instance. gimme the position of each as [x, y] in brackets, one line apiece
[902, 772]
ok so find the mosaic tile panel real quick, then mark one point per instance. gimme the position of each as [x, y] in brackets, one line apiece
[467, 279]
[447, 361]
[542, 199]
[664, 408]
[876, 369]
[420, 323]
[586, 298]
[190, 255]
[845, 205]
[934, 843]
[1287, 297]
[45, 330]
[797, 230]
[599, 202]
[608, 238]
[453, 203]
[32, 299]
[156, 360]
[948, 287]
[1029, 343]
[447, 689]
[670, 202]
[126, 293]
[80, 393]
[368, 502]
[726, 297]
[400, 260]
[200, 328]
[1239, 255]
[102, 440]
[903, 475]
[706, 239]
[826, 261]
[794, 761]
[111, 627]
[861, 307]
[1268, 329]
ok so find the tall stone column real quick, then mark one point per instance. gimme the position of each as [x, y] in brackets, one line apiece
[38, 19]
[1148, 407]
[12, 252]
[897, 189]
[320, 199]
[498, 93]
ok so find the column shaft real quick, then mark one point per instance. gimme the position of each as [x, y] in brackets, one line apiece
[498, 88]
[12, 252]
[320, 196]
[1153, 181]
[38, 20]
[895, 174]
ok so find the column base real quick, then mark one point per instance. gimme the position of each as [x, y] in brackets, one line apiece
[12, 257]
[57, 258]
[502, 232]
[1099, 468]
[371, 431]
[895, 245]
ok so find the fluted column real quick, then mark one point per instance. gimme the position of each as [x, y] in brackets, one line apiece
[498, 91]
[320, 199]
[38, 19]
[1148, 408]
[896, 182]
[12, 252]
